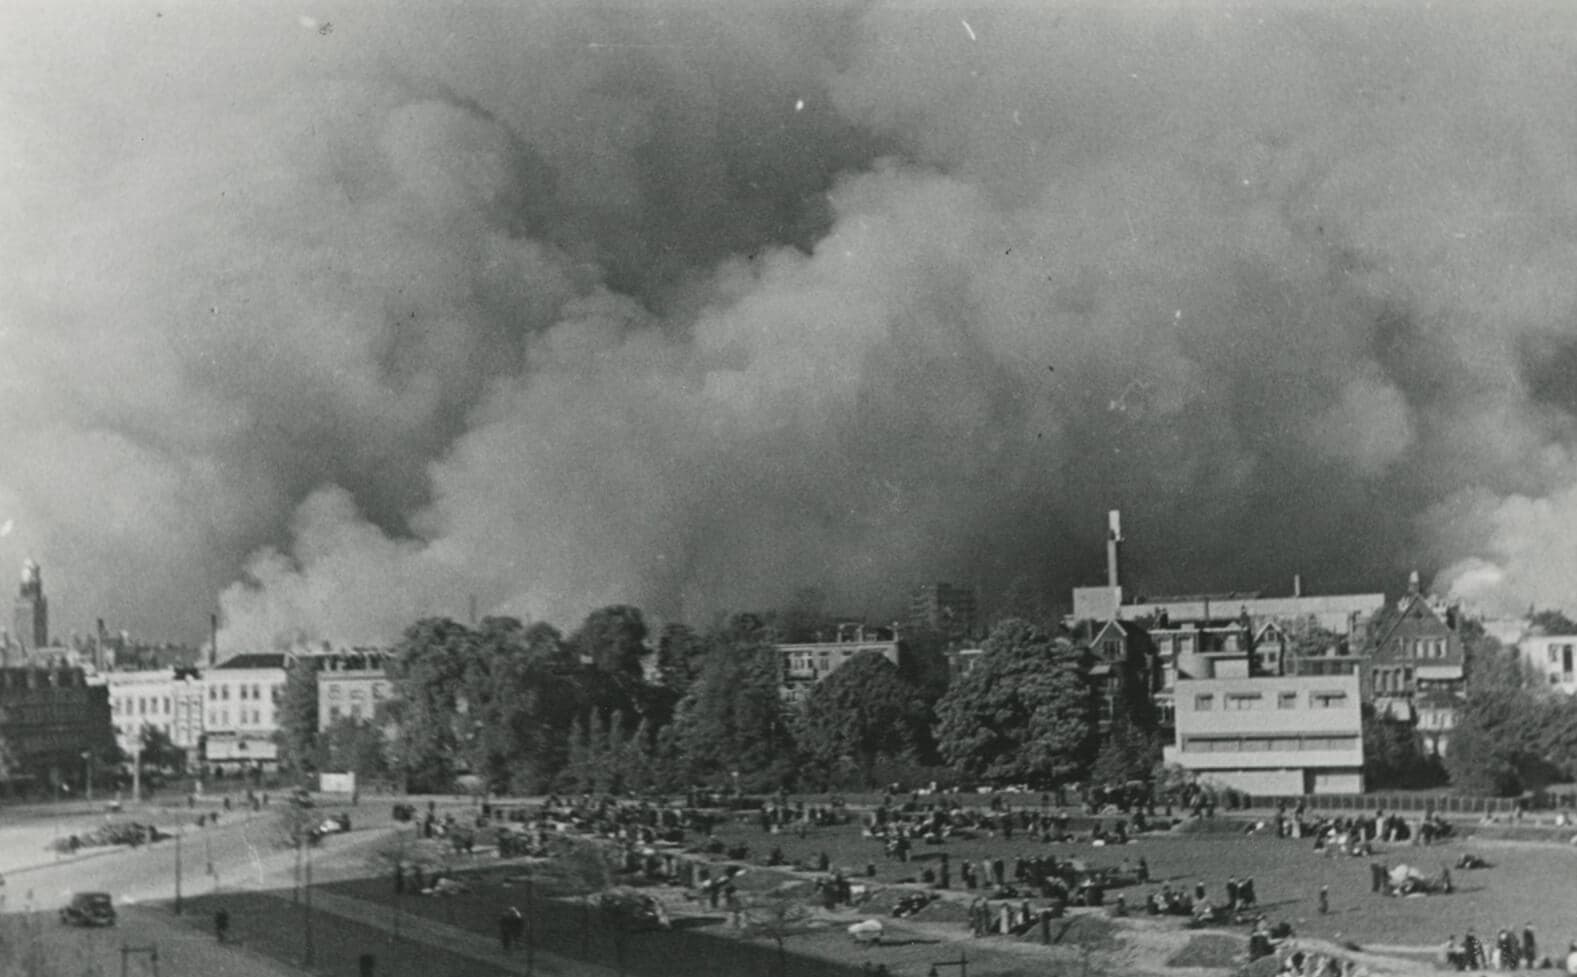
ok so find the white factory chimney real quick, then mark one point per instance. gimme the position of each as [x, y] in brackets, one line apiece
[1114, 535]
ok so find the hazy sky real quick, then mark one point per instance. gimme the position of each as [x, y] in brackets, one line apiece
[336, 315]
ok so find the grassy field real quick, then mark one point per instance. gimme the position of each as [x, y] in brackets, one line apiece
[1526, 883]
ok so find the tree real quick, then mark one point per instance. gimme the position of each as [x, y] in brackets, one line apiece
[680, 655]
[1393, 755]
[428, 669]
[298, 716]
[1128, 753]
[354, 746]
[1500, 741]
[160, 752]
[614, 638]
[863, 712]
[1022, 713]
[733, 719]
[1552, 622]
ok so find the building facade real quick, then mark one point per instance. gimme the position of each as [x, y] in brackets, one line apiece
[1271, 734]
[30, 616]
[1415, 666]
[1553, 657]
[351, 684]
[241, 699]
[53, 725]
[807, 663]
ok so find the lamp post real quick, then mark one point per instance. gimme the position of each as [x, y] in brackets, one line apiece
[180, 829]
[962, 963]
[307, 905]
[87, 773]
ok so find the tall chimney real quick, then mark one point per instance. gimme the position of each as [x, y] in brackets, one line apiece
[213, 640]
[1297, 585]
[98, 646]
[1114, 535]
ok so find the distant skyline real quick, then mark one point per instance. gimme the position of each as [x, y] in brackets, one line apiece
[334, 318]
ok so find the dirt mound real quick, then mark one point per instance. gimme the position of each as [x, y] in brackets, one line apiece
[1209, 950]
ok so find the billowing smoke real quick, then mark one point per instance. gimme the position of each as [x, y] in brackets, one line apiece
[357, 316]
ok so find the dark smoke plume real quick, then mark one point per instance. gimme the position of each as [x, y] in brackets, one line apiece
[361, 313]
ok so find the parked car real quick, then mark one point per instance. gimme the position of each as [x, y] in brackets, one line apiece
[89, 909]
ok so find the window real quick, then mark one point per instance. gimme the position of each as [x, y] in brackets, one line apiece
[1287, 700]
[1240, 701]
[224, 692]
[335, 691]
[333, 713]
[1327, 700]
[377, 690]
[213, 693]
[355, 711]
[1204, 703]
[1257, 744]
[166, 705]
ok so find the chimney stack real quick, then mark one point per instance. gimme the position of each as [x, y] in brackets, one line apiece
[1297, 585]
[1114, 535]
[213, 640]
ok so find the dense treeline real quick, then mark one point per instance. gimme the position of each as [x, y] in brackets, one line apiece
[613, 707]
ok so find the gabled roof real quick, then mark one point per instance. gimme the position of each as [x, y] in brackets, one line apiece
[1414, 603]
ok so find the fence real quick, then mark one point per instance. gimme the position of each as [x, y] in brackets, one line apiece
[1441, 803]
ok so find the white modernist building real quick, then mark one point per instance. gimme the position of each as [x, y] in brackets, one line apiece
[1552, 656]
[1271, 735]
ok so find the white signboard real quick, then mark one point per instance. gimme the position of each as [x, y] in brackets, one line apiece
[337, 783]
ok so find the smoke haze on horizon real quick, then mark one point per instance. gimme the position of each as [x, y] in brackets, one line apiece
[337, 317]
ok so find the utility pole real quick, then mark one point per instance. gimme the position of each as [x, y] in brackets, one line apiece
[179, 830]
[307, 904]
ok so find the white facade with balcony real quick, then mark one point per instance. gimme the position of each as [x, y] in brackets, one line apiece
[1271, 735]
[1553, 657]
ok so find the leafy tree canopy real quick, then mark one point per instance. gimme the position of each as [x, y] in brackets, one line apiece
[1022, 713]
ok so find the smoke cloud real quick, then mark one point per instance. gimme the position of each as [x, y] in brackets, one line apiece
[342, 319]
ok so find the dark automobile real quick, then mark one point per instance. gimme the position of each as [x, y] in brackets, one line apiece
[89, 909]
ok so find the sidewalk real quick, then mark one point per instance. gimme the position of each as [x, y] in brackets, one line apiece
[184, 950]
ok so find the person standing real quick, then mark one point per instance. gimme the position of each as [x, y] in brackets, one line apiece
[1377, 876]
[506, 932]
[1325, 900]
[1571, 960]
[1530, 948]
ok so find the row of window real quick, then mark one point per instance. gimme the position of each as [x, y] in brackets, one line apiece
[355, 712]
[1241, 701]
[1267, 744]
[1425, 648]
[244, 717]
[355, 692]
[221, 693]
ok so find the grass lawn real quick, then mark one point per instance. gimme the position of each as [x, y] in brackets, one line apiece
[1526, 883]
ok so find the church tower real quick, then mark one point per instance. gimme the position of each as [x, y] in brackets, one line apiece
[30, 622]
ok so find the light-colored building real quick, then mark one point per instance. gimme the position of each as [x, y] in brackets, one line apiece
[1553, 657]
[806, 663]
[351, 684]
[1271, 735]
[138, 701]
[242, 697]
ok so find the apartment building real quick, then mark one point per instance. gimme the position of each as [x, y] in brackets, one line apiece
[807, 663]
[1271, 734]
[242, 698]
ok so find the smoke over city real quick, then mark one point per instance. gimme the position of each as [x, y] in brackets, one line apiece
[332, 319]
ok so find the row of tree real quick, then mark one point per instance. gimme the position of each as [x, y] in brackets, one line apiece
[527, 708]
[609, 707]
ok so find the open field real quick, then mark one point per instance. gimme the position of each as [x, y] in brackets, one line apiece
[1526, 883]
